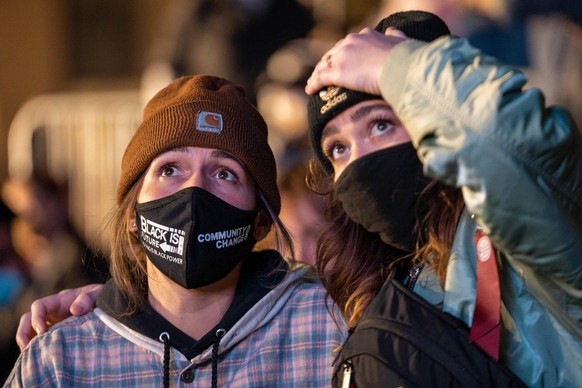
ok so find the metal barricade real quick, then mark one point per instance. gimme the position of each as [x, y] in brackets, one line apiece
[83, 139]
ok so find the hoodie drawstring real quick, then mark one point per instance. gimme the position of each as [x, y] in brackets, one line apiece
[219, 334]
[165, 338]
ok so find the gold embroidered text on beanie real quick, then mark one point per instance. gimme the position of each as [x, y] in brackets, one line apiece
[208, 112]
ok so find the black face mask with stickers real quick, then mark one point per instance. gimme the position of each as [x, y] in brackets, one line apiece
[194, 237]
[380, 192]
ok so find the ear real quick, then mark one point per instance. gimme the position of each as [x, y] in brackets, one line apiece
[262, 225]
[131, 224]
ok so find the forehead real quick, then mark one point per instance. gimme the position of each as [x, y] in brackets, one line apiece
[202, 152]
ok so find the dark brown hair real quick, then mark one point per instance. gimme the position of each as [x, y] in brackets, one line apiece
[354, 263]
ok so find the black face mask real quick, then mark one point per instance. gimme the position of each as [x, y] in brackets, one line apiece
[194, 237]
[380, 191]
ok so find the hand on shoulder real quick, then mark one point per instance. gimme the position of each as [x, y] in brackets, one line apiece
[52, 309]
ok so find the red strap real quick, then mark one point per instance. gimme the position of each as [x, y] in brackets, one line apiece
[486, 325]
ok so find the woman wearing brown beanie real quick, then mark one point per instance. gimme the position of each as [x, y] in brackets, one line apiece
[190, 301]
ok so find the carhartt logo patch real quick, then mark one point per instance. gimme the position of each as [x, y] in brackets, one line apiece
[209, 122]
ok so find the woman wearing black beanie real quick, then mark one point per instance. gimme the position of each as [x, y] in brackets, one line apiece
[473, 186]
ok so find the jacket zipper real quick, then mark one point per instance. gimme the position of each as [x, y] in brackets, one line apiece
[347, 375]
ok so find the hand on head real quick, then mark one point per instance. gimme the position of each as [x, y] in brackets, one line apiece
[355, 62]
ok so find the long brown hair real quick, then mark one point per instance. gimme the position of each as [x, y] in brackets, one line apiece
[437, 228]
[128, 264]
[354, 263]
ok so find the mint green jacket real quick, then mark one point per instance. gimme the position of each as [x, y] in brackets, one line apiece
[519, 164]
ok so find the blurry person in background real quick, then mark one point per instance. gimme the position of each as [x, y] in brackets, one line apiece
[302, 211]
[45, 237]
[281, 99]
[47, 248]
[14, 277]
[229, 38]
[191, 299]
[13, 272]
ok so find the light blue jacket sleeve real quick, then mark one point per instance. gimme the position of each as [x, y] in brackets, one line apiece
[518, 162]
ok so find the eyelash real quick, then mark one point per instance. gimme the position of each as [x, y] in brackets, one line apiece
[328, 150]
[381, 119]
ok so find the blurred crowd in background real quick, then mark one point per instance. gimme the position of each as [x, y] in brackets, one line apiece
[270, 47]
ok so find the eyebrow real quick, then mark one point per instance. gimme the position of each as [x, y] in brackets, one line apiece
[356, 116]
[226, 155]
[179, 149]
[328, 131]
[365, 110]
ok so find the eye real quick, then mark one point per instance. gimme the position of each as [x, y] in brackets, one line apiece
[168, 170]
[334, 151]
[380, 127]
[338, 150]
[226, 174]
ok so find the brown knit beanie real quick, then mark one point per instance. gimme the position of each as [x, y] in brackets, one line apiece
[208, 112]
[332, 100]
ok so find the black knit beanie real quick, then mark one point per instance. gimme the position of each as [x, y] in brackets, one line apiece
[332, 100]
[208, 112]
